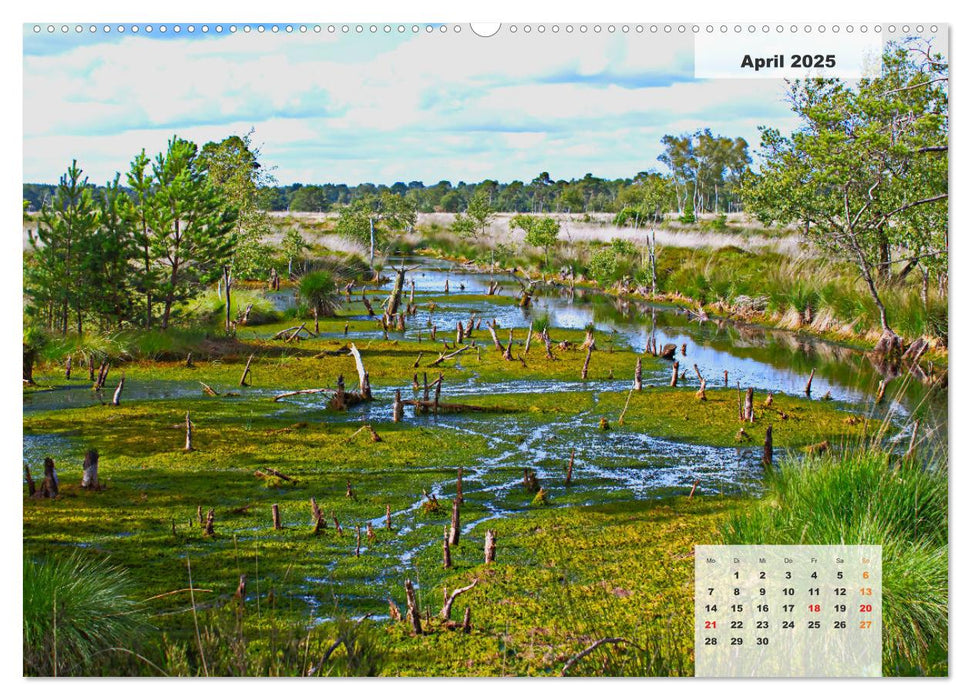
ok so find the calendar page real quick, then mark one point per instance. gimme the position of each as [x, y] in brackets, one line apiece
[788, 610]
[386, 347]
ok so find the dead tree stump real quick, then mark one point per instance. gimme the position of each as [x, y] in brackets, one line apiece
[586, 362]
[638, 380]
[569, 468]
[450, 600]
[67, 368]
[50, 487]
[188, 433]
[467, 620]
[446, 551]
[674, 374]
[116, 399]
[277, 525]
[881, 390]
[726, 378]
[315, 512]
[458, 487]
[89, 476]
[370, 533]
[210, 529]
[453, 537]
[199, 517]
[809, 384]
[748, 412]
[490, 546]
[357, 548]
[767, 448]
[529, 338]
[413, 615]
[31, 488]
[397, 408]
[387, 516]
[701, 392]
[246, 371]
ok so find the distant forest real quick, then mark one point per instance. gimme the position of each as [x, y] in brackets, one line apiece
[708, 166]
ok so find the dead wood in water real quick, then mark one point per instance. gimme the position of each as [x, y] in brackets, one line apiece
[458, 487]
[208, 390]
[364, 382]
[315, 512]
[277, 525]
[209, 529]
[881, 391]
[668, 351]
[387, 516]
[297, 393]
[693, 487]
[674, 374]
[285, 331]
[116, 399]
[507, 355]
[726, 378]
[700, 395]
[638, 376]
[809, 384]
[767, 448]
[397, 410]
[569, 468]
[495, 339]
[426, 406]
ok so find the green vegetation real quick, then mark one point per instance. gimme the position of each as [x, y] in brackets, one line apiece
[76, 608]
[859, 499]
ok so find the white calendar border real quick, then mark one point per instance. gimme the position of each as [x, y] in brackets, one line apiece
[450, 11]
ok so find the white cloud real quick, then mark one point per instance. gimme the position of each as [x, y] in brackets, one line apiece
[378, 108]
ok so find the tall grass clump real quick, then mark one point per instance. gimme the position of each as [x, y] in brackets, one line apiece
[857, 498]
[76, 609]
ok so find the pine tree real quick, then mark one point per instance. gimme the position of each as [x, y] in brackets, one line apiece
[192, 226]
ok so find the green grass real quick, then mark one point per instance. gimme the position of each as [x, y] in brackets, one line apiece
[859, 499]
[76, 607]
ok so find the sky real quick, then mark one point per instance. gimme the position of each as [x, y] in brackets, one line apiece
[380, 107]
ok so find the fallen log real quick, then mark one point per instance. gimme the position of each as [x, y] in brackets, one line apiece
[269, 471]
[299, 393]
[425, 406]
[208, 390]
[285, 331]
[442, 357]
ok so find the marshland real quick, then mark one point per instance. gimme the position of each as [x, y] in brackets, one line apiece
[474, 434]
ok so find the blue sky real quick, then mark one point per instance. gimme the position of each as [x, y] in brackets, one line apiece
[333, 107]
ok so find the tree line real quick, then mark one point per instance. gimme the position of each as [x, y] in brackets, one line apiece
[704, 172]
[130, 253]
